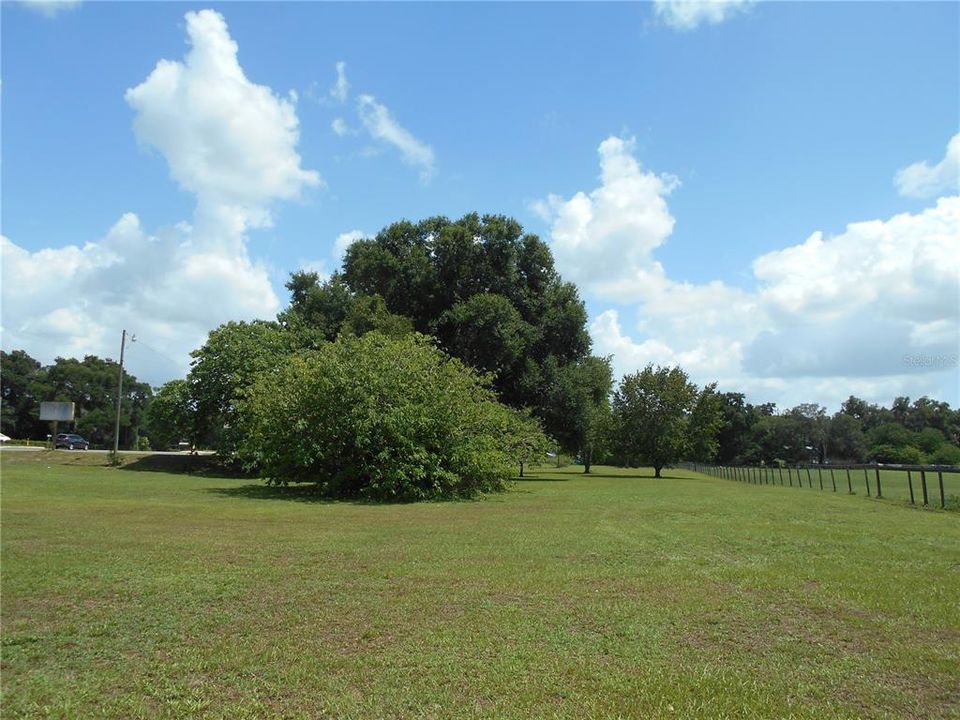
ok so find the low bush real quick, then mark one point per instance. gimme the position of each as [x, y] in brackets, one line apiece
[902, 455]
[383, 418]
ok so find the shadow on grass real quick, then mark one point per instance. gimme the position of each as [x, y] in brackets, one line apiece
[310, 493]
[262, 491]
[202, 465]
[638, 476]
[535, 478]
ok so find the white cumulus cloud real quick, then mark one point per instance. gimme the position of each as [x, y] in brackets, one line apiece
[73, 300]
[844, 313]
[231, 143]
[922, 180]
[690, 14]
[381, 125]
[604, 238]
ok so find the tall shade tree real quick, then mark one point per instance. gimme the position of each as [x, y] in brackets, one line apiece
[488, 291]
[652, 409]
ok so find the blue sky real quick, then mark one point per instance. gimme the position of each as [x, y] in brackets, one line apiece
[678, 157]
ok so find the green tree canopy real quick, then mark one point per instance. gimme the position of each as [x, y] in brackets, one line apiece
[171, 415]
[224, 367]
[21, 391]
[488, 292]
[382, 418]
[652, 410]
[579, 403]
[91, 384]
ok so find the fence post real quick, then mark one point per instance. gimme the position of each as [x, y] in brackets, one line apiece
[781, 476]
[943, 498]
[809, 478]
[789, 476]
[833, 480]
[876, 469]
[923, 486]
[849, 482]
[820, 476]
[910, 483]
[866, 477]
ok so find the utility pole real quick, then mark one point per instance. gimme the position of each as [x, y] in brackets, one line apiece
[116, 427]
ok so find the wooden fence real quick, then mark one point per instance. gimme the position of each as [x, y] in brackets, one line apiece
[921, 484]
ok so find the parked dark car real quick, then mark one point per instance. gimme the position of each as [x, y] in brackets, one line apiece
[71, 442]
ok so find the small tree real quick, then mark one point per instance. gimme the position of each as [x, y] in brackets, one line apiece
[652, 411]
[578, 403]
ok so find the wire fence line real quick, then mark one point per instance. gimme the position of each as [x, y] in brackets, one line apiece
[920, 484]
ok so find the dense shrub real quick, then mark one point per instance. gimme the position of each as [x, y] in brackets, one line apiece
[902, 455]
[383, 418]
[946, 454]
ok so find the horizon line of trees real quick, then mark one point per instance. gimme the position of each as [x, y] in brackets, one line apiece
[489, 296]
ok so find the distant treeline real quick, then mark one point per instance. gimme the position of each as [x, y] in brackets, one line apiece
[91, 384]
[922, 431]
[487, 294]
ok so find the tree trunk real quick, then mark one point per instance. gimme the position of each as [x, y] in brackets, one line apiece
[521, 469]
[586, 462]
[656, 470]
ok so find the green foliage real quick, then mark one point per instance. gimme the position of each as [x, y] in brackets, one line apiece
[845, 439]
[485, 331]
[891, 433]
[322, 307]
[91, 384]
[929, 439]
[224, 368]
[945, 454]
[486, 290]
[370, 314]
[382, 418]
[579, 404]
[21, 390]
[652, 410]
[171, 415]
[898, 454]
[705, 421]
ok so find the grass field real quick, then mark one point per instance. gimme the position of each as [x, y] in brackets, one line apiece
[149, 594]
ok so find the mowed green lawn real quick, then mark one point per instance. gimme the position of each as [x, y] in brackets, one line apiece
[146, 594]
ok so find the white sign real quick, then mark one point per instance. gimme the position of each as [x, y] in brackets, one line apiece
[60, 411]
